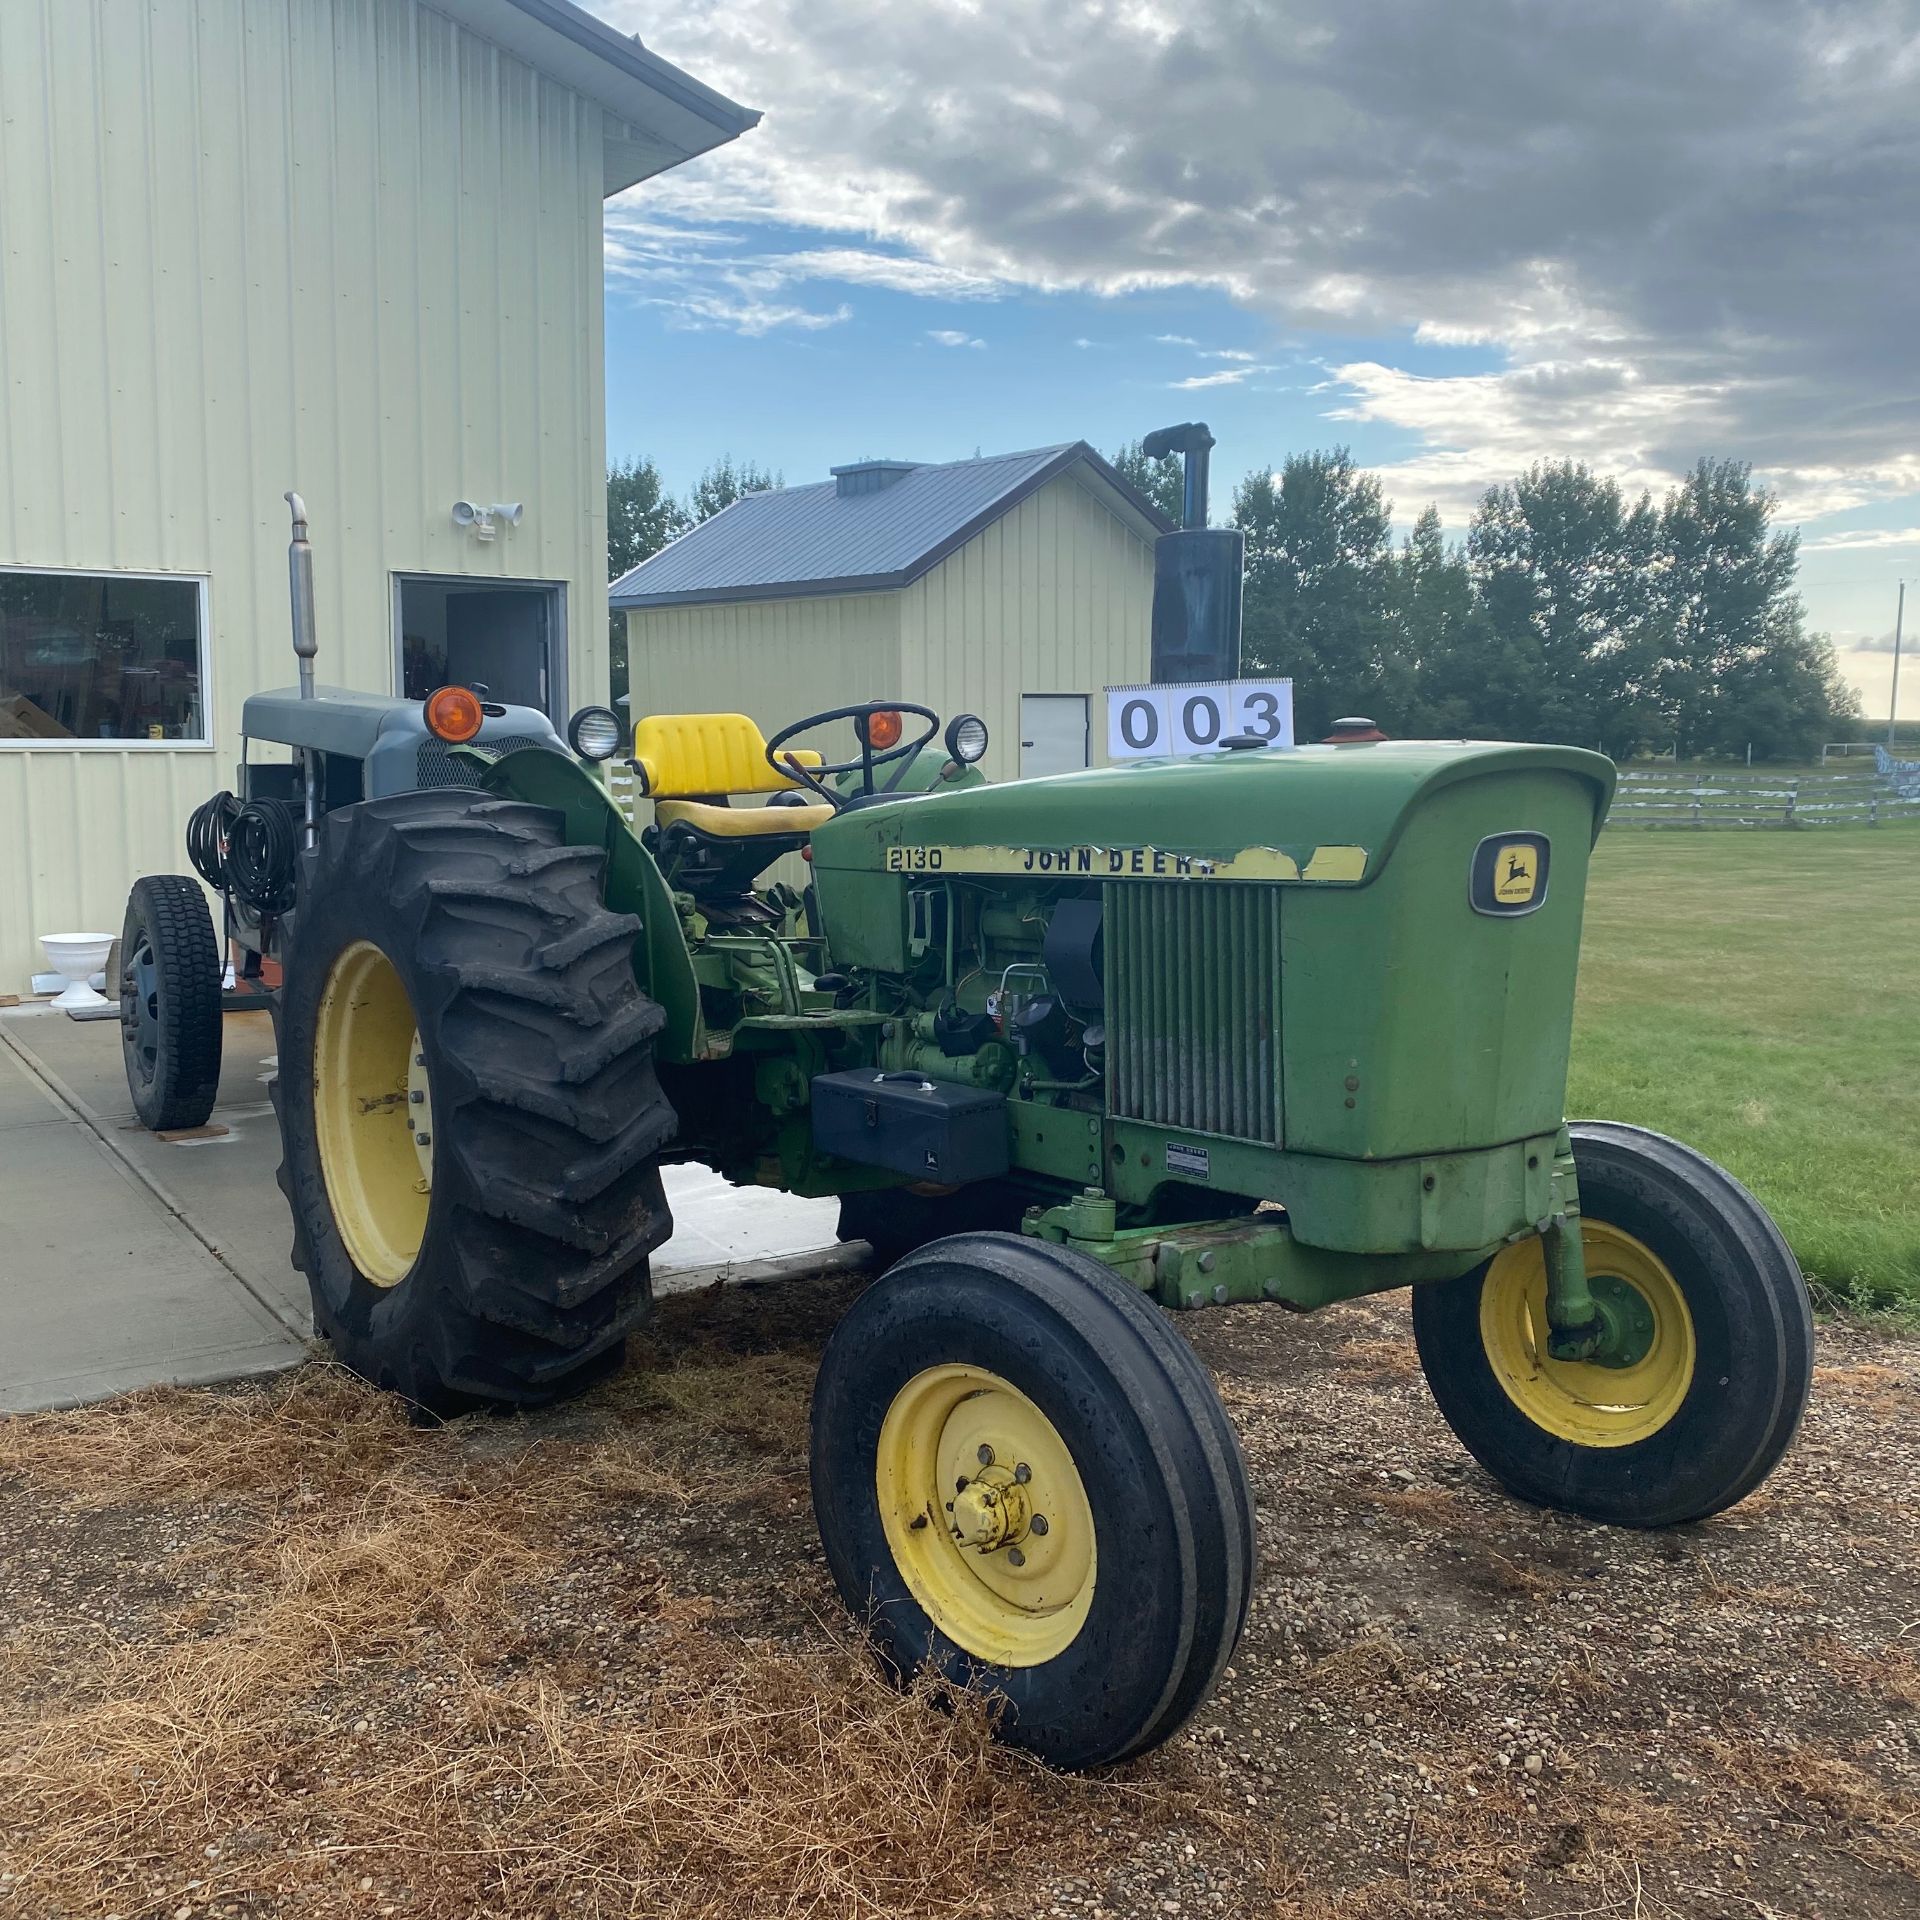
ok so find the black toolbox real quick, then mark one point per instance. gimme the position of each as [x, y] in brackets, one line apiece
[926, 1129]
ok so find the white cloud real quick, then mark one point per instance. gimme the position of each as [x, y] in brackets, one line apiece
[1862, 539]
[1226, 377]
[1688, 236]
[705, 311]
[1174, 340]
[953, 337]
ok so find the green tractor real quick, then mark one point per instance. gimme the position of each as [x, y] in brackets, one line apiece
[1276, 1025]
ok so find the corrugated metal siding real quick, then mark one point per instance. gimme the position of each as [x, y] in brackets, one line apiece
[1055, 597]
[776, 660]
[251, 244]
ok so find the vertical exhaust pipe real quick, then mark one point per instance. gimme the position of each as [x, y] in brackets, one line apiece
[1196, 573]
[306, 644]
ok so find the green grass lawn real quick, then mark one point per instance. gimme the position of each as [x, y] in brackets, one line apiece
[1758, 996]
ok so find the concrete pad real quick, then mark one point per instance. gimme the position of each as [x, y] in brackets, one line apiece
[101, 1289]
[218, 1189]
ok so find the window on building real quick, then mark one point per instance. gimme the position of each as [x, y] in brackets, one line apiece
[101, 656]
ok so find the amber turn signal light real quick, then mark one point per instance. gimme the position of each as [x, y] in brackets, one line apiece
[884, 728]
[454, 715]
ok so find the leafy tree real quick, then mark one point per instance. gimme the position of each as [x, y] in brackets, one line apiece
[1453, 674]
[1160, 480]
[1784, 697]
[1725, 588]
[1566, 570]
[642, 517]
[725, 482]
[1316, 587]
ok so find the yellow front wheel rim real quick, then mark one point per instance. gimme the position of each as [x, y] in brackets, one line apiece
[373, 1114]
[986, 1516]
[1576, 1400]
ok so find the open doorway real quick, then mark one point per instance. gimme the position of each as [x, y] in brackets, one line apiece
[508, 637]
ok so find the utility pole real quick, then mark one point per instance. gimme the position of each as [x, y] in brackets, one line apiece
[1893, 700]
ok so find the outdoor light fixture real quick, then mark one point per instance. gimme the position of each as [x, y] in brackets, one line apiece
[966, 738]
[595, 733]
[484, 522]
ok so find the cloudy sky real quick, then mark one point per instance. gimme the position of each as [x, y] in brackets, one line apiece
[1457, 237]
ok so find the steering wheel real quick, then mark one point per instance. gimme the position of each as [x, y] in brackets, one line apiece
[906, 752]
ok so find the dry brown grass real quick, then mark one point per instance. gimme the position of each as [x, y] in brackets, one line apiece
[433, 1672]
[1869, 1385]
[1841, 1795]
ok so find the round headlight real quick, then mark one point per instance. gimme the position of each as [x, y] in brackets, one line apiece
[966, 738]
[595, 733]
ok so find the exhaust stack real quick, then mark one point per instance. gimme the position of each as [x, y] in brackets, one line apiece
[306, 643]
[1196, 574]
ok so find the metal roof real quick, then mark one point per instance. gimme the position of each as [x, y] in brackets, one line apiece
[817, 539]
[661, 115]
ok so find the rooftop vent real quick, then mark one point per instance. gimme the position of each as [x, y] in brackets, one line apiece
[869, 476]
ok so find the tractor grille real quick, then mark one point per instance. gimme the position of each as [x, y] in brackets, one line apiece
[1193, 1005]
[434, 766]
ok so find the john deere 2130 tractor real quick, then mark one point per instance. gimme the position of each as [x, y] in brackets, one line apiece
[1276, 1025]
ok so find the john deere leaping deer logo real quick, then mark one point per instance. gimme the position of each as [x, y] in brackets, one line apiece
[1516, 875]
[1509, 874]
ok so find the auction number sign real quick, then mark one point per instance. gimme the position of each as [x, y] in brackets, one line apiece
[1143, 722]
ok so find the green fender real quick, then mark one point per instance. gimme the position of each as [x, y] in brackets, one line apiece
[634, 883]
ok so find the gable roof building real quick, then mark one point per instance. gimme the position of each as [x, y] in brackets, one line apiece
[1012, 585]
[875, 525]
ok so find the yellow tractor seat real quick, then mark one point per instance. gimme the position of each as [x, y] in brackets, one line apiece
[694, 755]
[741, 823]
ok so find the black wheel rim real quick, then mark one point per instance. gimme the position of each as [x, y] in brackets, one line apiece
[140, 1008]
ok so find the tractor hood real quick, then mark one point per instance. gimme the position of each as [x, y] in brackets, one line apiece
[1293, 813]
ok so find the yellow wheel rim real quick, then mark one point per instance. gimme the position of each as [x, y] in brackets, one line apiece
[1593, 1406]
[375, 1137]
[986, 1516]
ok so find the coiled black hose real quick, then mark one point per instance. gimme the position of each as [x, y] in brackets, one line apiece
[246, 848]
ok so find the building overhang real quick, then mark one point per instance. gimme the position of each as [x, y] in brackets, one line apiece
[657, 115]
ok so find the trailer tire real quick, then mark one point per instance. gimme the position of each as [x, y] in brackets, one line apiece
[170, 1002]
[1696, 1424]
[1112, 1630]
[469, 1115]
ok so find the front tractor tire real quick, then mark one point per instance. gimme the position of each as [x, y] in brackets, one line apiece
[1705, 1397]
[469, 1117]
[1025, 1482]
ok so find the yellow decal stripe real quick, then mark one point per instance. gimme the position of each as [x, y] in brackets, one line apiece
[1337, 864]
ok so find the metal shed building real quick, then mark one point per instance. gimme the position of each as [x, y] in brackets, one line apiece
[1014, 587]
[347, 246]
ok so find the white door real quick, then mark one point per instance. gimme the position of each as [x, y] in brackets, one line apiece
[1053, 733]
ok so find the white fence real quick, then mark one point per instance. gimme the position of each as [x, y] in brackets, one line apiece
[1700, 797]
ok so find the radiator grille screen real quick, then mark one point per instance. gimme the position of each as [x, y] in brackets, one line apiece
[434, 766]
[1193, 1006]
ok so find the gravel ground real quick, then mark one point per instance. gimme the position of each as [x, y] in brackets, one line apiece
[1445, 1702]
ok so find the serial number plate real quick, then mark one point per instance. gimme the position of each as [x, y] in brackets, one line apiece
[1193, 1161]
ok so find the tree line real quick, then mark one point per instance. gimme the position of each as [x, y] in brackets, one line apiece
[1569, 613]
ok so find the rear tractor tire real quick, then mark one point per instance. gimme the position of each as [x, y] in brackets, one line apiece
[170, 1002]
[469, 1117]
[1721, 1357]
[1026, 1483]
